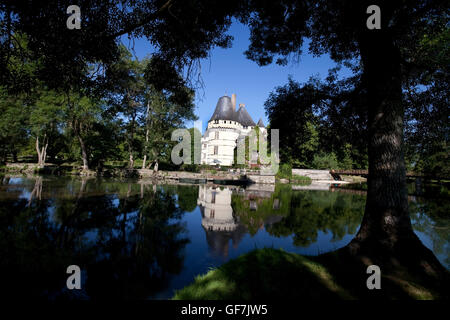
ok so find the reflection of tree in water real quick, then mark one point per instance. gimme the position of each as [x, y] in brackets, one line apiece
[314, 211]
[431, 218]
[256, 210]
[301, 213]
[129, 246]
[141, 248]
[187, 197]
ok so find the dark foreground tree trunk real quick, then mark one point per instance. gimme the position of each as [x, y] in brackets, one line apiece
[386, 232]
[14, 154]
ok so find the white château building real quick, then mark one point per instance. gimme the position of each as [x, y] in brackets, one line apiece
[226, 127]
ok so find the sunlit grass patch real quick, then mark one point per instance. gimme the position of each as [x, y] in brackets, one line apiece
[265, 273]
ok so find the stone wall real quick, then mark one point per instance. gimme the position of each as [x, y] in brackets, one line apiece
[313, 174]
[261, 179]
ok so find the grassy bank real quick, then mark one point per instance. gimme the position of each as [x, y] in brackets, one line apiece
[276, 274]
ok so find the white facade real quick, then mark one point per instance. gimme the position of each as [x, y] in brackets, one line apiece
[225, 128]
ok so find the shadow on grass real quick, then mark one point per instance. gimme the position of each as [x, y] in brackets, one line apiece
[276, 274]
[265, 273]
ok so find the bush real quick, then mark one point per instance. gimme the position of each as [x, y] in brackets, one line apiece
[285, 171]
[325, 161]
[190, 167]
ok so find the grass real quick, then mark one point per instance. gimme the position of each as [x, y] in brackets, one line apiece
[265, 273]
[297, 179]
[276, 274]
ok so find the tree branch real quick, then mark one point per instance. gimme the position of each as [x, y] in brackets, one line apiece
[144, 21]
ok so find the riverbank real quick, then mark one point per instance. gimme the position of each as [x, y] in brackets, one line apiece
[230, 176]
[277, 274]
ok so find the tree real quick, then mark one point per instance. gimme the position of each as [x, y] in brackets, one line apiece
[83, 115]
[187, 30]
[128, 95]
[294, 106]
[329, 121]
[427, 131]
[45, 121]
[13, 124]
[387, 58]
[169, 105]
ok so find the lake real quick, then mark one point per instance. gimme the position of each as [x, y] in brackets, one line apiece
[135, 240]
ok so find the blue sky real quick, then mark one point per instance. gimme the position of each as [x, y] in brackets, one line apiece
[228, 71]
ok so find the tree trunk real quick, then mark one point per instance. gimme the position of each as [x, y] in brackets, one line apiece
[131, 138]
[146, 134]
[14, 154]
[143, 161]
[386, 215]
[131, 160]
[44, 153]
[155, 168]
[41, 152]
[386, 232]
[84, 155]
[38, 151]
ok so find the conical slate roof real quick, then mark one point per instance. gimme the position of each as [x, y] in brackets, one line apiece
[260, 123]
[224, 110]
[244, 118]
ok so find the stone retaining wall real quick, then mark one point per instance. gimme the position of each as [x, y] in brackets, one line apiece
[313, 174]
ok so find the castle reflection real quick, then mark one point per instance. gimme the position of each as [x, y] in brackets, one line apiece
[222, 226]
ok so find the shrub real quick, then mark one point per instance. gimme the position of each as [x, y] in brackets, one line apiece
[190, 167]
[325, 161]
[285, 171]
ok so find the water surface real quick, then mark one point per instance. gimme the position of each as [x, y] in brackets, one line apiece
[136, 240]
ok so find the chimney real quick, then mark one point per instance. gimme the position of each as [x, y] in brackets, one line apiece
[233, 101]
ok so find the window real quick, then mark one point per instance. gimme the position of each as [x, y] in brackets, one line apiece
[217, 134]
[212, 213]
[216, 149]
[216, 121]
[213, 197]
